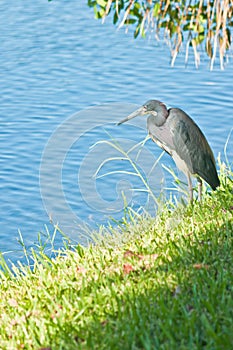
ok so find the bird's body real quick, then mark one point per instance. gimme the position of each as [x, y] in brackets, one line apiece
[175, 132]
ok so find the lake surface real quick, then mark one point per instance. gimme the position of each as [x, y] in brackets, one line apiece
[66, 80]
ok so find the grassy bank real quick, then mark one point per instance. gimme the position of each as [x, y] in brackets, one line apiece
[164, 283]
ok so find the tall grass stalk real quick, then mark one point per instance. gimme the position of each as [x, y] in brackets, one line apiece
[125, 156]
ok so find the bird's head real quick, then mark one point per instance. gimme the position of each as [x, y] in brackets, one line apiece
[151, 107]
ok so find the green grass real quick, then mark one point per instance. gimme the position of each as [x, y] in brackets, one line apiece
[150, 283]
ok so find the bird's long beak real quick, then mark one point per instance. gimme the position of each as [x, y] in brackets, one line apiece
[139, 111]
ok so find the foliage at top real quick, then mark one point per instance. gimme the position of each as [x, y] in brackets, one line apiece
[196, 24]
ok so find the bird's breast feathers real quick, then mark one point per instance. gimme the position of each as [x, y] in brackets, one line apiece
[161, 144]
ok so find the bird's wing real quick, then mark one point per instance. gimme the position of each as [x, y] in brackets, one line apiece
[160, 135]
[192, 147]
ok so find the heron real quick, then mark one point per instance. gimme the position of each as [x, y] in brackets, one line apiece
[176, 133]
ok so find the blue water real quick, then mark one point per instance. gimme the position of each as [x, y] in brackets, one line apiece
[66, 79]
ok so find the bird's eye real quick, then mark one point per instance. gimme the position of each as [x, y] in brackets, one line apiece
[144, 108]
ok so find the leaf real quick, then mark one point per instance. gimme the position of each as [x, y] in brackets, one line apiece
[137, 31]
[12, 302]
[13, 322]
[149, 257]
[81, 269]
[228, 32]
[156, 9]
[115, 18]
[91, 3]
[201, 266]
[199, 39]
[80, 251]
[127, 268]
[129, 253]
[209, 49]
[130, 21]
[102, 3]
[144, 260]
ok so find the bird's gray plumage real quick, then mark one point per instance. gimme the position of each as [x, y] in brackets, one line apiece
[175, 132]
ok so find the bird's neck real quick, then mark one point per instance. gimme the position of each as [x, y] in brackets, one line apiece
[160, 116]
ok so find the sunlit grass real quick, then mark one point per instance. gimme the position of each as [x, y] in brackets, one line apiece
[149, 283]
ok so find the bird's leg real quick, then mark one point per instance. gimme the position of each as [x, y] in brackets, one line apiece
[190, 187]
[199, 188]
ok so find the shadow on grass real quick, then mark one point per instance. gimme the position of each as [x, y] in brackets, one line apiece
[183, 303]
